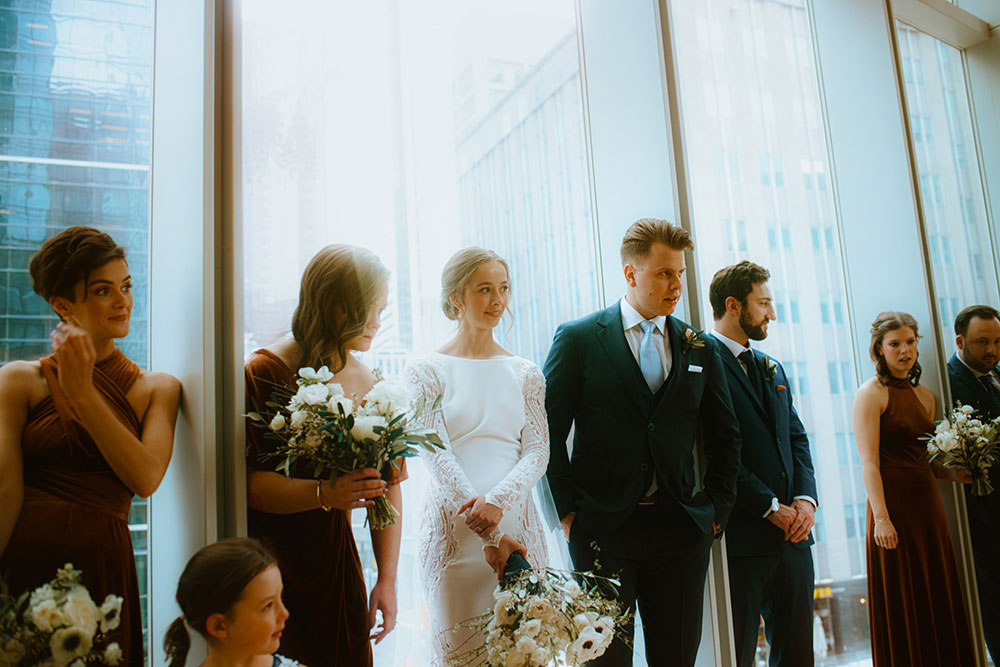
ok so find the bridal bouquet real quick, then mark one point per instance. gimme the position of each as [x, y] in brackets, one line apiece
[544, 617]
[960, 440]
[324, 430]
[57, 625]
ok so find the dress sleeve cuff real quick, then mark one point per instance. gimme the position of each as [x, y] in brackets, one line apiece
[810, 499]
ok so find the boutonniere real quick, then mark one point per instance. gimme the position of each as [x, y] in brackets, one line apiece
[691, 340]
[770, 369]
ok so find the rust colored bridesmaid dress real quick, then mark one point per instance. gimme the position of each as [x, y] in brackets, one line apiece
[915, 604]
[75, 507]
[325, 590]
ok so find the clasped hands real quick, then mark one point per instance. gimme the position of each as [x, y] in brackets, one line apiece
[795, 520]
[483, 518]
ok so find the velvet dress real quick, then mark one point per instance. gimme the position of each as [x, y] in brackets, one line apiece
[915, 606]
[75, 507]
[325, 591]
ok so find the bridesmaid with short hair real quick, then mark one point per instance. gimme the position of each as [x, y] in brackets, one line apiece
[915, 605]
[307, 522]
[82, 431]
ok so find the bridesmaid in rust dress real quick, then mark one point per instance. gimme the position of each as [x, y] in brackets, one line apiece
[81, 431]
[915, 604]
[307, 523]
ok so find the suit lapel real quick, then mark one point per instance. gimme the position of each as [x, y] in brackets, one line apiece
[981, 392]
[611, 334]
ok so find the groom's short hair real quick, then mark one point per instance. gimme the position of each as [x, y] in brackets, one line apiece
[964, 318]
[642, 234]
[735, 281]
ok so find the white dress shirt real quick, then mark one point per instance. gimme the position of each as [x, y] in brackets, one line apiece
[633, 335]
[737, 349]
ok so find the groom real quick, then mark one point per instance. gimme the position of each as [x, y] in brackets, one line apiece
[638, 385]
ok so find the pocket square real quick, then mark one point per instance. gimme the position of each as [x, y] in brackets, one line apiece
[780, 387]
[694, 368]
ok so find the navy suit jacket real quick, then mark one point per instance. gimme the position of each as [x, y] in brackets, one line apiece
[775, 461]
[623, 432]
[984, 512]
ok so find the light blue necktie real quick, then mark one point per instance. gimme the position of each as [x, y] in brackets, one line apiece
[649, 358]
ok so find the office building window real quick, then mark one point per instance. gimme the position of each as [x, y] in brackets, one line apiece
[791, 131]
[75, 132]
[429, 127]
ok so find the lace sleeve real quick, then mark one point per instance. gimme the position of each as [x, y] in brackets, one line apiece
[444, 468]
[516, 486]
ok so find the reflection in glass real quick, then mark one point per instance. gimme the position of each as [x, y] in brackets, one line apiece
[951, 188]
[75, 134]
[752, 118]
[415, 130]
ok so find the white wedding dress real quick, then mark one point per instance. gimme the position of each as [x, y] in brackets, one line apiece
[492, 419]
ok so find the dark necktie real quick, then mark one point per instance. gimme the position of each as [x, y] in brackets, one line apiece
[991, 389]
[749, 362]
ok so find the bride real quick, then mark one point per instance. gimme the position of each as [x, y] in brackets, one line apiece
[492, 417]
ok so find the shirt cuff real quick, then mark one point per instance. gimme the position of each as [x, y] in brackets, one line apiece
[810, 499]
[769, 512]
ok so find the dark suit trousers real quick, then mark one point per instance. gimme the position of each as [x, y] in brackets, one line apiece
[778, 587]
[986, 555]
[661, 558]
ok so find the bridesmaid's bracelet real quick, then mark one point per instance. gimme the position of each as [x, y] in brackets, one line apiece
[885, 519]
[319, 498]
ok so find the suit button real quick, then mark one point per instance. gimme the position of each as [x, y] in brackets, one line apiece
[651, 427]
[783, 475]
[644, 467]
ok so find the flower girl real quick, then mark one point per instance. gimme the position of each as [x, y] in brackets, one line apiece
[230, 593]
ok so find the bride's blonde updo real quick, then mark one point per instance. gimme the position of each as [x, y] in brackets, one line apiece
[458, 271]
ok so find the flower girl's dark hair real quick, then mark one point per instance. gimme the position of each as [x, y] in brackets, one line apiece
[212, 582]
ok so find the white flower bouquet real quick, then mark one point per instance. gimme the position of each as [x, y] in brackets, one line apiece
[58, 625]
[961, 440]
[544, 617]
[324, 430]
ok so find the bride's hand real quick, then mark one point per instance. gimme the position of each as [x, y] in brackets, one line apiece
[482, 517]
[497, 556]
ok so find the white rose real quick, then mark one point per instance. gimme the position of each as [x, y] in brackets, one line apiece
[581, 621]
[541, 656]
[388, 398]
[942, 426]
[322, 375]
[313, 394]
[278, 422]
[364, 427]
[113, 653]
[526, 645]
[299, 418]
[340, 401]
[968, 409]
[572, 588]
[946, 442]
[960, 419]
[46, 615]
[111, 613]
[80, 611]
[335, 389]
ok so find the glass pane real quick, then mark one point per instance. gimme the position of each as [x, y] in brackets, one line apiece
[951, 190]
[75, 133]
[761, 190]
[415, 129]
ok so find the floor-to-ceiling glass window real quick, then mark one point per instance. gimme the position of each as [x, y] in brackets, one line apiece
[761, 190]
[963, 265]
[415, 129]
[951, 187]
[75, 134]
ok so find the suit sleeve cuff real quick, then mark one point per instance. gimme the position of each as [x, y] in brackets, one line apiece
[810, 499]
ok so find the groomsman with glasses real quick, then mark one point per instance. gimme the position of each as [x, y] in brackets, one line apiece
[975, 380]
[768, 537]
[638, 384]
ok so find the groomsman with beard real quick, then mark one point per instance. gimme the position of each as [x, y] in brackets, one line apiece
[975, 380]
[638, 384]
[768, 537]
